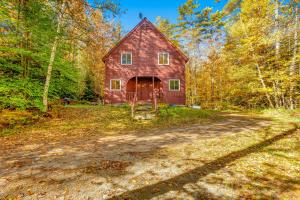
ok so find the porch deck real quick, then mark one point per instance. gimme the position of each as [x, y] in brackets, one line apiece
[144, 89]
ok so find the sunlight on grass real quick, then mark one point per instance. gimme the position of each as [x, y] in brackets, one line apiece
[265, 173]
[279, 114]
[119, 118]
[172, 116]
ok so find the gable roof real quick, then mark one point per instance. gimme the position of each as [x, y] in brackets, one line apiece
[135, 28]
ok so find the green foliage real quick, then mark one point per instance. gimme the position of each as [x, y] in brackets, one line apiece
[168, 29]
[89, 94]
[24, 58]
[27, 32]
[20, 93]
[203, 23]
[184, 112]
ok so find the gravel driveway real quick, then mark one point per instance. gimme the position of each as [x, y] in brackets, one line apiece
[109, 167]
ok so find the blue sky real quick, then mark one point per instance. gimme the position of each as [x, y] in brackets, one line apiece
[153, 8]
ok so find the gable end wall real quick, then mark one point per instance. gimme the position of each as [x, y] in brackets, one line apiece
[145, 42]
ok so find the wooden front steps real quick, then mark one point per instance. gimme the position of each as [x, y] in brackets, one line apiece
[144, 112]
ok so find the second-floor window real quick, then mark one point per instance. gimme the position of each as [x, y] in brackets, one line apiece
[163, 58]
[126, 58]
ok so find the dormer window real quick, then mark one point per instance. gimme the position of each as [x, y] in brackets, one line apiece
[163, 58]
[126, 58]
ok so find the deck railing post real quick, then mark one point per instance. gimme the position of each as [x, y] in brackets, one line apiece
[136, 86]
[134, 98]
[153, 92]
[155, 101]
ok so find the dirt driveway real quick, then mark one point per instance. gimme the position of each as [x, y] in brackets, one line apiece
[194, 162]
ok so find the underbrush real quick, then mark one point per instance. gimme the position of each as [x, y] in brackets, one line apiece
[13, 118]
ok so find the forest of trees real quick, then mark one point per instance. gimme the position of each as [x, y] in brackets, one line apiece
[53, 49]
[245, 56]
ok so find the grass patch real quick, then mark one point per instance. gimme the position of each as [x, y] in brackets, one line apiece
[283, 115]
[172, 116]
[113, 119]
[17, 118]
[280, 115]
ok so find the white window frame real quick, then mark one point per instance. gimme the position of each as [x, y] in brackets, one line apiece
[178, 84]
[163, 53]
[110, 87]
[122, 57]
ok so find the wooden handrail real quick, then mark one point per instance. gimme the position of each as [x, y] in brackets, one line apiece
[131, 97]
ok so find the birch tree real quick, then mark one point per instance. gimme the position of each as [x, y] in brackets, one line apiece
[61, 9]
[294, 56]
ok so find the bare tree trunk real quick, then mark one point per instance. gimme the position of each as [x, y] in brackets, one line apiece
[221, 87]
[276, 91]
[259, 73]
[277, 42]
[52, 57]
[212, 83]
[22, 4]
[276, 84]
[263, 84]
[293, 64]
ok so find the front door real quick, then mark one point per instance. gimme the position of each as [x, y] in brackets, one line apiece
[144, 89]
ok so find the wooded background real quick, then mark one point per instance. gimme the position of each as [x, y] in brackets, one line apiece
[245, 56]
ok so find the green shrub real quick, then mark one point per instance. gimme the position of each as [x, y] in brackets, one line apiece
[19, 93]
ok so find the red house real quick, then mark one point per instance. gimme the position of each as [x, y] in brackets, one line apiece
[144, 65]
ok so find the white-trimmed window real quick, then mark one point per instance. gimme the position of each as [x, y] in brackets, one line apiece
[115, 84]
[163, 58]
[126, 58]
[174, 84]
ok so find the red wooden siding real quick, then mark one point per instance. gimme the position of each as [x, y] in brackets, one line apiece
[145, 42]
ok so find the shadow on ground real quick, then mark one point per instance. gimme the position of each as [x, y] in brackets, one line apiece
[177, 183]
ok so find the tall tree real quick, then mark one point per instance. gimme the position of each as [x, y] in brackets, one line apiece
[199, 28]
[61, 10]
[27, 48]
[258, 49]
[79, 6]
[168, 29]
[294, 56]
